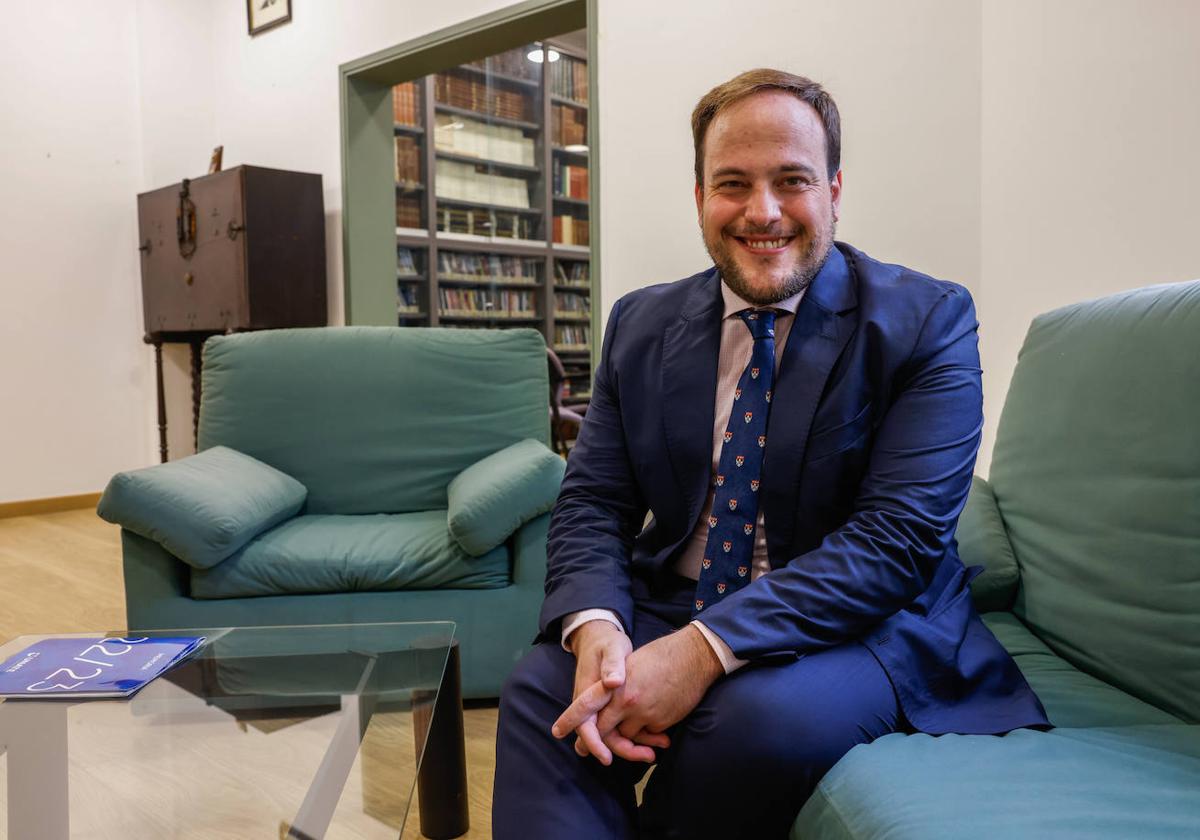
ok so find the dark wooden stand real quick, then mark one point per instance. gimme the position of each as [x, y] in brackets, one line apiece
[195, 340]
[442, 779]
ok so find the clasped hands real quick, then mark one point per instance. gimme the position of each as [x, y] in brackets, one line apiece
[625, 699]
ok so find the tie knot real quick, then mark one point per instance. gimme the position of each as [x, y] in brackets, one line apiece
[761, 322]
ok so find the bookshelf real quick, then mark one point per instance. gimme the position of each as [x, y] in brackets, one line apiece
[492, 201]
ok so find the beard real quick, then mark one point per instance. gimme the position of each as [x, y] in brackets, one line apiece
[806, 267]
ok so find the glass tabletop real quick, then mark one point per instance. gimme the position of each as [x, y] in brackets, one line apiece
[302, 732]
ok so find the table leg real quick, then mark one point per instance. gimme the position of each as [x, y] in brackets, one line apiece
[442, 779]
[35, 736]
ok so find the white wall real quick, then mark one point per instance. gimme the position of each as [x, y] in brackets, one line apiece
[1036, 152]
[73, 372]
[1091, 170]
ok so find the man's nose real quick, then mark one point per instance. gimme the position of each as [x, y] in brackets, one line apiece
[762, 208]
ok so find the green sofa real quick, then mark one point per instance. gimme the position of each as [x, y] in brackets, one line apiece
[1089, 530]
[383, 427]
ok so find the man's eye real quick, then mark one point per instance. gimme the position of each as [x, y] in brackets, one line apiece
[729, 185]
[794, 182]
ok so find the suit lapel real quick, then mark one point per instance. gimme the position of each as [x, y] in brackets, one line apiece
[823, 325]
[691, 346]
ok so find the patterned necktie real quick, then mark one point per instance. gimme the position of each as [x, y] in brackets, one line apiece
[729, 553]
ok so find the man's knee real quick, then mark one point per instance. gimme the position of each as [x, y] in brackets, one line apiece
[802, 715]
[543, 678]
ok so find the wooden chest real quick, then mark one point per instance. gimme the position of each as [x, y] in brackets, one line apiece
[237, 250]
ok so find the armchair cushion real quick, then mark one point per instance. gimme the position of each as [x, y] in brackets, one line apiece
[494, 497]
[205, 507]
[982, 541]
[320, 553]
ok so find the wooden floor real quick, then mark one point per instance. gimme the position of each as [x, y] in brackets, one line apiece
[61, 573]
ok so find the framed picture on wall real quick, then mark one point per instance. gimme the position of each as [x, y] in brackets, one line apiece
[262, 15]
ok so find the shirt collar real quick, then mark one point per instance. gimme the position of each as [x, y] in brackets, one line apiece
[734, 303]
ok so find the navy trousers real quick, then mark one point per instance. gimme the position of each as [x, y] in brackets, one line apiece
[740, 765]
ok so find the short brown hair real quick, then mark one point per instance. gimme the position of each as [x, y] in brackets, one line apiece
[753, 81]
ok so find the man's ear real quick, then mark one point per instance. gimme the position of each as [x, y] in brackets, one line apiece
[835, 193]
[700, 204]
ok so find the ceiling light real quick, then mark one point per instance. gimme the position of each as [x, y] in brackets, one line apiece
[535, 55]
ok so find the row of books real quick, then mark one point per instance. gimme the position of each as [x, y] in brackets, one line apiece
[488, 267]
[462, 90]
[488, 303]
[509, 63]
[572, 336]
[570, 181]
[408, 299]
[570, 230]
[406, 104]
[570, 303]
[569, 78]
[494, 223]
[572, 273]
[408, 161]
[472, 138]
[406, 263]
[568, 126]
[408, 211]
[468, 182]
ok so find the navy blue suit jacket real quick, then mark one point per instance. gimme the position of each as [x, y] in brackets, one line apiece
[871, 443]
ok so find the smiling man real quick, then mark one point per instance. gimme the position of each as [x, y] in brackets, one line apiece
[751, 564]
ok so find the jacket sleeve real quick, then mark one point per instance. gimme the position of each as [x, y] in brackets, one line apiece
[904, 514]
[599, 509]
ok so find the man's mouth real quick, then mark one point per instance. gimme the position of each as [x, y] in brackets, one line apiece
[764, 244]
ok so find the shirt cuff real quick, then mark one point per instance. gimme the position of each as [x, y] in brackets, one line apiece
[728, 661]
[572, 621]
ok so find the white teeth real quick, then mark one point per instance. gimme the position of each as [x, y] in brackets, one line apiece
[768, 244]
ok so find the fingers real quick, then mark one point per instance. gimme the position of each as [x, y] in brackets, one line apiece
[589, 741]
[627, 749]
[652, 739]
[612, 666]
[586, 705]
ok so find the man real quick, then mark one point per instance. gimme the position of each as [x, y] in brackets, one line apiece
[801, 422]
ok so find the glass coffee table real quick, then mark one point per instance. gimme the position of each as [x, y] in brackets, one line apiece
[276, 732]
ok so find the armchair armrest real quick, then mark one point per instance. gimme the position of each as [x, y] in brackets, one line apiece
[494, 497]
[204, 507]
[983, 541]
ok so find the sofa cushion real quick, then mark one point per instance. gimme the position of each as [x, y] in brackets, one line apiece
[1119, 782]
[490, 500]
[374, 419]
[982, 541]
[1071, 697]
[323, 553]
[204, 507]
[1096, 472]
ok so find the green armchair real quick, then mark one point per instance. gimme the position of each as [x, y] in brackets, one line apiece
[1089, 531]
[425, 485]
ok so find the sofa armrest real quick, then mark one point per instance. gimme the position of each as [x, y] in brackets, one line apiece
[983, 541]
[491, 499]
[204, 507]
[529, 554]
[152, 576]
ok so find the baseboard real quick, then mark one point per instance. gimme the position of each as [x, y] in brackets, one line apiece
[57, 504]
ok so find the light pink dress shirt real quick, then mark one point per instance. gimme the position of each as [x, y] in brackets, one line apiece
[737, 345]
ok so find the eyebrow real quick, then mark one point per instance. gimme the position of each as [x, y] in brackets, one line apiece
[787, 167]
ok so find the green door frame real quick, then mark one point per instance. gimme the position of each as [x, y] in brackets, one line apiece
[368, 164]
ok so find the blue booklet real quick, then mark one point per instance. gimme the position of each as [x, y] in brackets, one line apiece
[91, 667]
